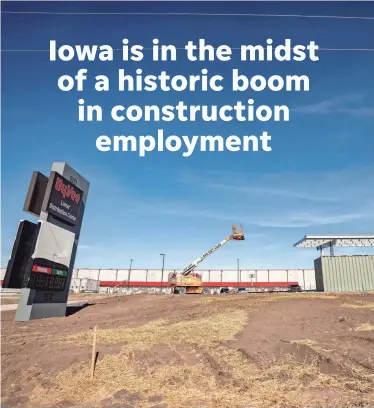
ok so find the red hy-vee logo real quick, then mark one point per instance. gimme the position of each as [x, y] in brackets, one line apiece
[67, 190]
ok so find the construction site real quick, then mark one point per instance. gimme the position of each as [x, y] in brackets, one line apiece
[273, 350]
[189, 339]
[187, 204]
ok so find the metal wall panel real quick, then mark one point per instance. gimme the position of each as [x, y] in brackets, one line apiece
[79, 285]
[94, 274]
[244, 275]
[82, 273]
[296, 275]
[75, 285]
[87, 273]
[353, 273]
[278, 275]
[108, 274]
[89, 285]
[319, 275]
[310, 279]
[152, 275]
[155, 275]
[230, 276]
[215, 275]
[262, 275]
[368, 271]
[139, 275]
[123, 275]
[103, 289]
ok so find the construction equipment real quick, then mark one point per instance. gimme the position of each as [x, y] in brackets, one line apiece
[189, 280]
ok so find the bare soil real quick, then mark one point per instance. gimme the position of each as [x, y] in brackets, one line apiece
[9, 299]
[161, 351]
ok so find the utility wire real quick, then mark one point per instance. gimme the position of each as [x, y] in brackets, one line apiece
[233, 48]
[196, 14]
[189, 14]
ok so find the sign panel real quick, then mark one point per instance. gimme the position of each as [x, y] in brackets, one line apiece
[54, 246]
[35, 194]
[47, 280]
[51, 257]
[17, 270]
[63, 199]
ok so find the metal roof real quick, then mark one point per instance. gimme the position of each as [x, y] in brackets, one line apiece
[313, 241]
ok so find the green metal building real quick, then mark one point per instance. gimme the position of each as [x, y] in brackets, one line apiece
[353, 273]
[348, 273]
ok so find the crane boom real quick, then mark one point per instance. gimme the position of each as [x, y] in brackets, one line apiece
[193, 265]
[190, 281]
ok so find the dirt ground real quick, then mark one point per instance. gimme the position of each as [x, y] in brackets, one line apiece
[9, 299]
[164, 351]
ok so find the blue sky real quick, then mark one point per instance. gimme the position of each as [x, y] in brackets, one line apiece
[318, 179]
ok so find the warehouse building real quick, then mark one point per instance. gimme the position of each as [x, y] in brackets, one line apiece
[152, 280]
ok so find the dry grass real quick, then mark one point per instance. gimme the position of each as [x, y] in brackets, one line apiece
[365, 327]
[359, 304]
[222, 327]
[219, 377]
[93, 296]
[267, 297]
[217, 299]
[122, 371]
[244, 384]
[303, 296]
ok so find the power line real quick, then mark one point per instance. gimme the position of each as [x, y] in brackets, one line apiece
[233, 48]
[195, 14]
[190, 14]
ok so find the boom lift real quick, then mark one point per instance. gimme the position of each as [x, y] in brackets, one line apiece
[191, 280]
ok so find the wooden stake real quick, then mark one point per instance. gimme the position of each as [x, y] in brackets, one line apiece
[93, 354]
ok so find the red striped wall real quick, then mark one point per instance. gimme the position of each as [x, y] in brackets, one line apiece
[205, 284]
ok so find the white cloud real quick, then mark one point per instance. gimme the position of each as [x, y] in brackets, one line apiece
[308, 220]
[364, 111]
[286, 200]
[286, 190]
[340, 104]
[282, 219]
[84, 246]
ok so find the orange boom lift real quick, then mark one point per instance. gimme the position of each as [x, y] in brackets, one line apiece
[190, 280]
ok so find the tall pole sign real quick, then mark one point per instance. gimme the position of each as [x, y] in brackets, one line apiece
[59, 201]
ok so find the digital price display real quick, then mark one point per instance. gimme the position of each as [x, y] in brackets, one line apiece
[47, 278]
[46, 282]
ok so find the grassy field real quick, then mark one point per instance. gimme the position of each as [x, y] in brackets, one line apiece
[199, 351]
